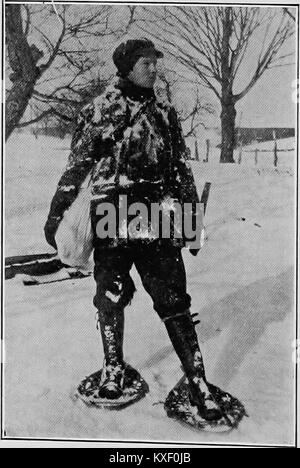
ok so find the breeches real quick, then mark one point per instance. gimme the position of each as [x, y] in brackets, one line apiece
[160, 267]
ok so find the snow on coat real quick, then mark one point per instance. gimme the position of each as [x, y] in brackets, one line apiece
[132, 145]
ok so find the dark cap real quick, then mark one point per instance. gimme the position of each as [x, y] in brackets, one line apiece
[127, 54]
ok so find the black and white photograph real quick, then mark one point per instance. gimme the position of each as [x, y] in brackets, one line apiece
[149, 224]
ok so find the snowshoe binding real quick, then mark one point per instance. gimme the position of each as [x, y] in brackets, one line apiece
[112, 388]
[216, 411]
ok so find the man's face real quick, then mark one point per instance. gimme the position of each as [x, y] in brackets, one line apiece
[144, 72]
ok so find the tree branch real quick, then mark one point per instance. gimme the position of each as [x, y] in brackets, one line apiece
[286, 10]
[44, 114]
[27, 25]
[56, 48]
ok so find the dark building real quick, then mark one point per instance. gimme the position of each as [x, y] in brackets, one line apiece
[248, 135]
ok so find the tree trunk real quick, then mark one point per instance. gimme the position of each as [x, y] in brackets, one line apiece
[16, 104]
[22, 59]
[228, 113]
[228, 116]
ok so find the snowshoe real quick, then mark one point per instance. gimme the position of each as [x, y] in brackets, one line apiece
[97, 390]
[178, 406]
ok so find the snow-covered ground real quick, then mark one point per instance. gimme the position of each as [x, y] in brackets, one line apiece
[242, 285]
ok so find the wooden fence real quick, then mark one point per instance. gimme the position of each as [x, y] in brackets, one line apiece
[256, 152]
[241, 150]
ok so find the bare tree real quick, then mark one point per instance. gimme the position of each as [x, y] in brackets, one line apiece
[213, 43]
[191, 113]
[55, 56]
[196, 114]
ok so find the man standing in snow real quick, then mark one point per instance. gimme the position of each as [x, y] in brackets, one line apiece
[133, 144]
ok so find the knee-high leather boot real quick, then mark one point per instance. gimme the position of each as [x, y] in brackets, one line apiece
[112, 331]
[181, 331]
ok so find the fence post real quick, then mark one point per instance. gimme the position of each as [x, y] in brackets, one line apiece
[196, 151]
[207, 150]
[239, 140]
[275, 154]
[240, 153]
[256, 156]
[275, 149]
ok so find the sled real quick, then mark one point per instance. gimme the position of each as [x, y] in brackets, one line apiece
[22, 259]
[41, 268]
[62, 275]
[178, 406]
[135, 388]
[33, 264]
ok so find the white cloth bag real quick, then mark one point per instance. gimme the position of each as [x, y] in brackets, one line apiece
[74, 238]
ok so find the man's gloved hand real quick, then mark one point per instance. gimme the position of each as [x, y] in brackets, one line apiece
[50, 229]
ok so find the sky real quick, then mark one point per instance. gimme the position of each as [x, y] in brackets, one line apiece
[272, 100]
